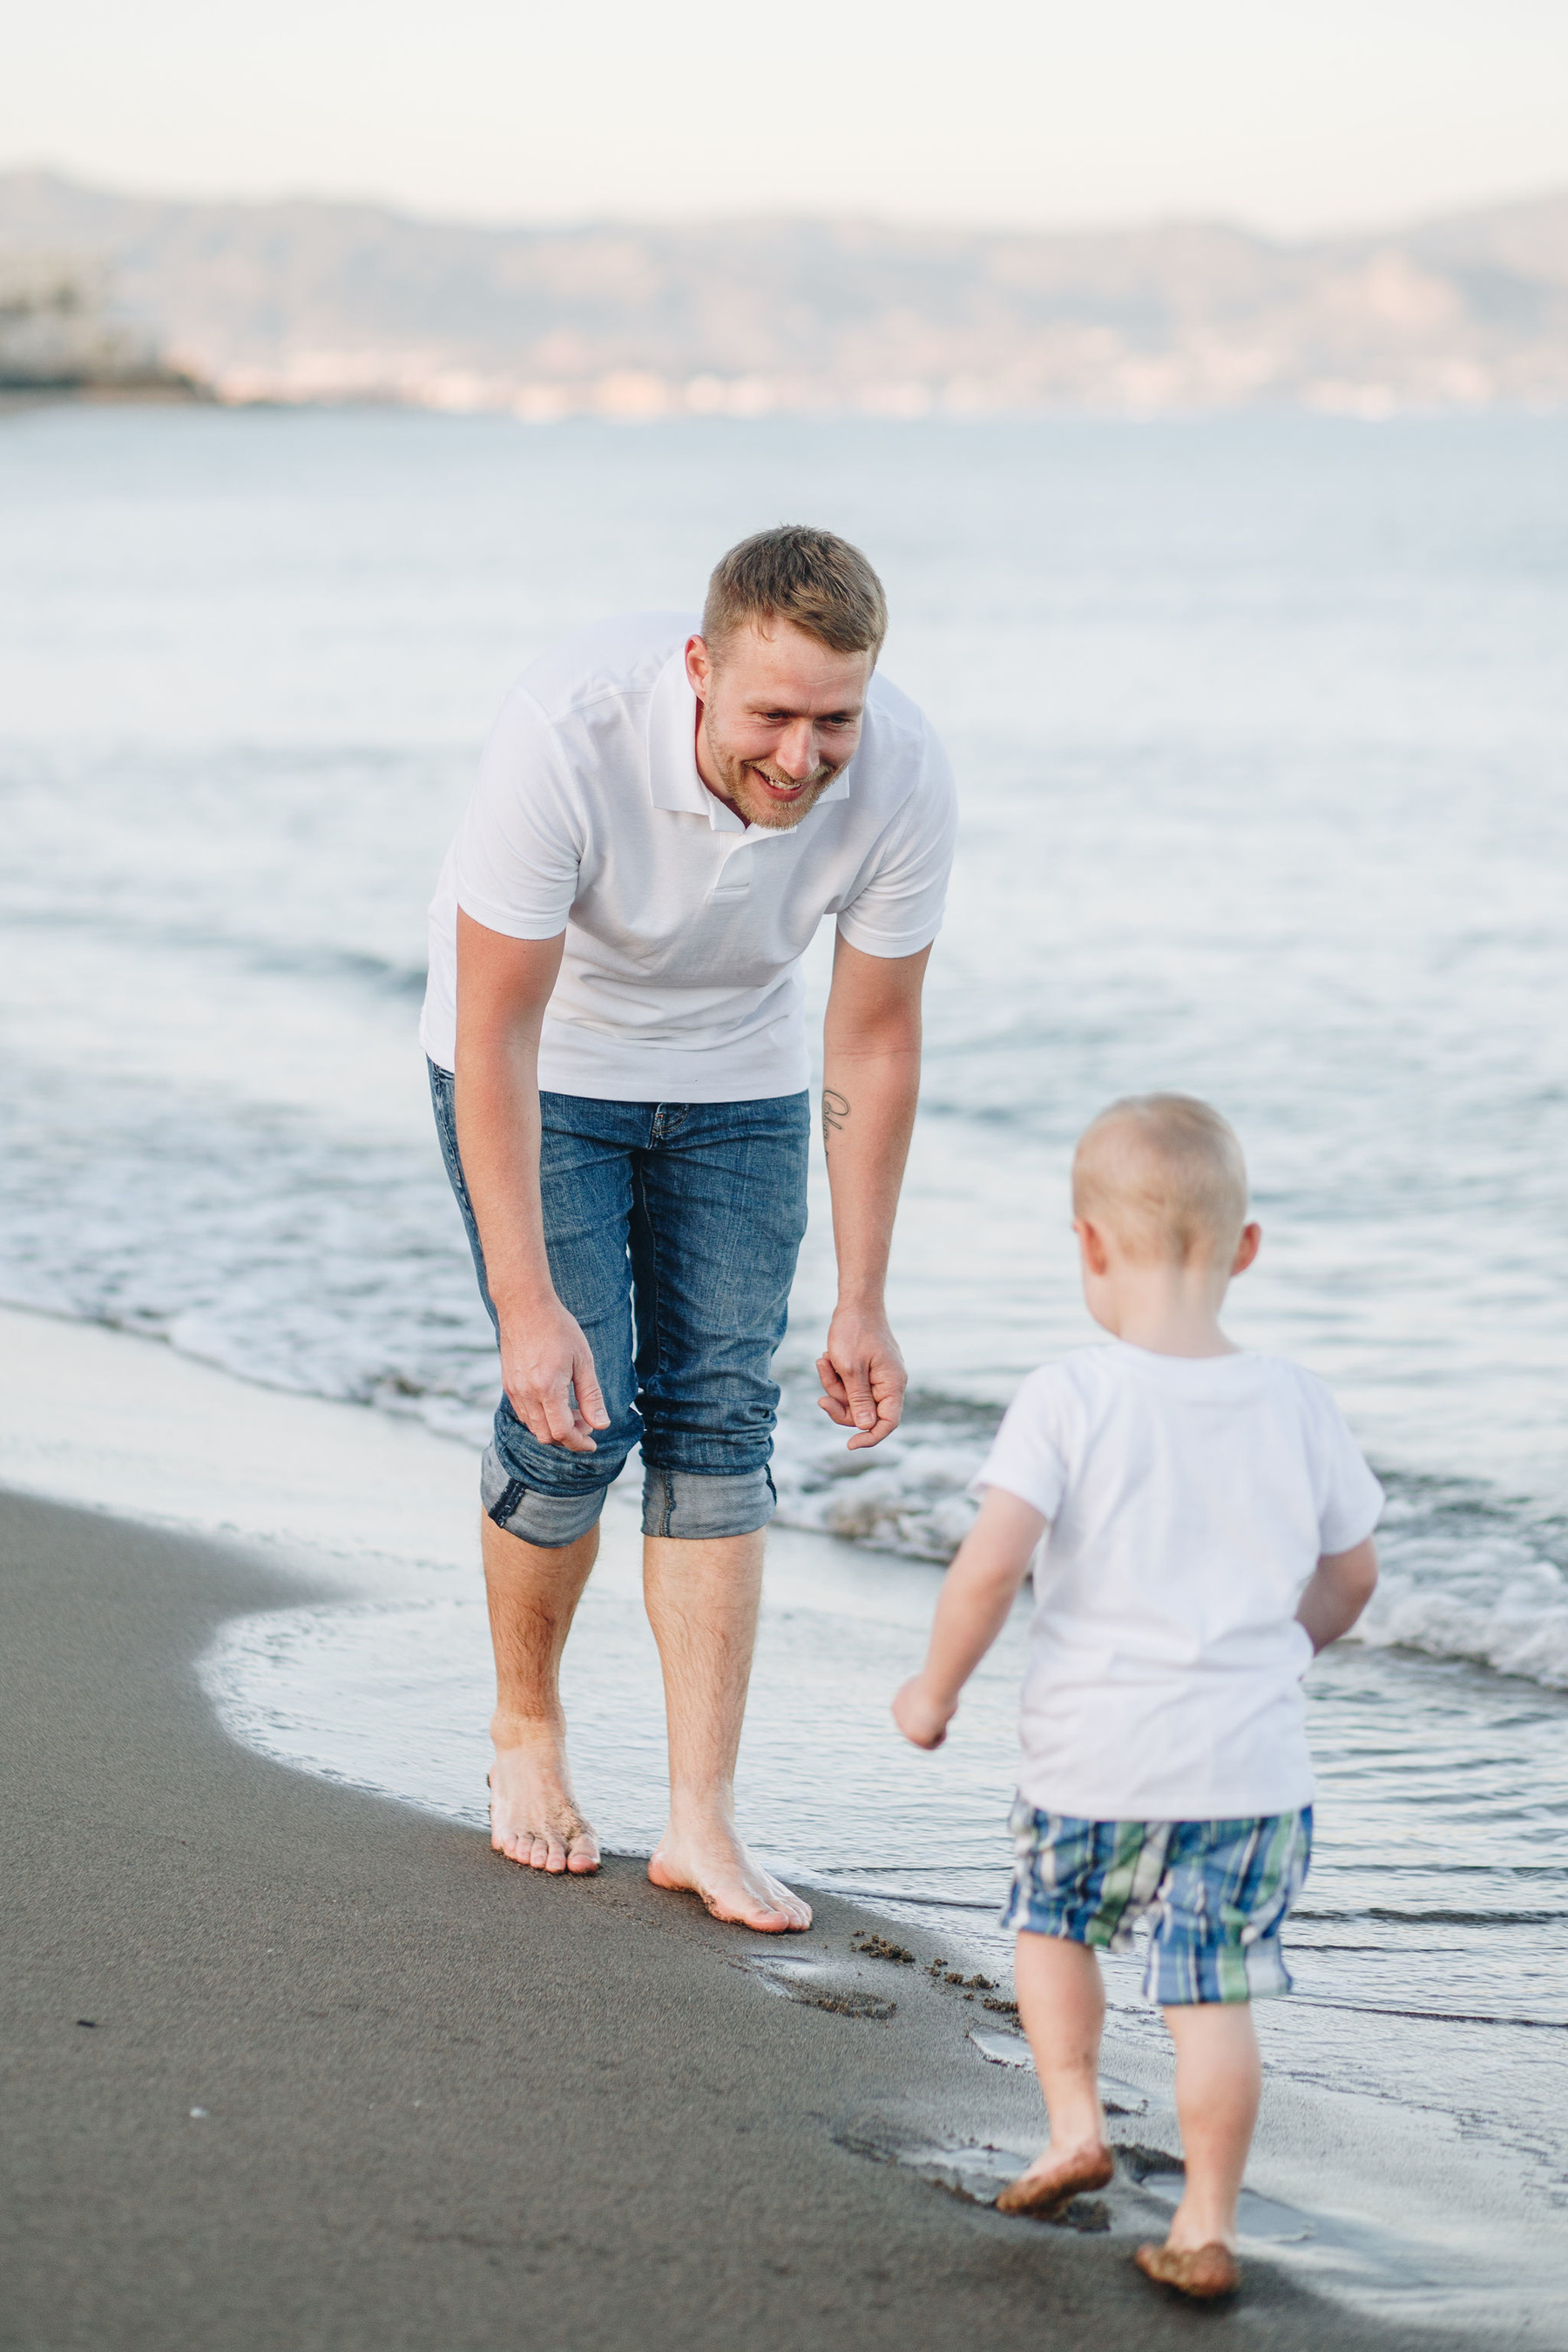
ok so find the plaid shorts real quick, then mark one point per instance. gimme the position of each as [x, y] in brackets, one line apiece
[1214, 1893]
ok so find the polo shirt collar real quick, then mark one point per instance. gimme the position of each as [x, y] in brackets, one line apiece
[673, 780]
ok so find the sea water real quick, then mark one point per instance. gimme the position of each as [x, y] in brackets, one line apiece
[1259, 727]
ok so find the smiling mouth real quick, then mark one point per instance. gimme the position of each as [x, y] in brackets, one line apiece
[783, 791]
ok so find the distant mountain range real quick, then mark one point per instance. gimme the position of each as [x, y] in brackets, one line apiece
[306, 300]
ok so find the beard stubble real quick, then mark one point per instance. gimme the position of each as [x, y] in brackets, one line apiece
[749, 798]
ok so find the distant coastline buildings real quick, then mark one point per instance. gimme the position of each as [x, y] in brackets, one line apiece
[59, 334]
[331, 302]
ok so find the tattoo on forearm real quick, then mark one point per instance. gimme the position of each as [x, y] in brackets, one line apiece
[835, 1111]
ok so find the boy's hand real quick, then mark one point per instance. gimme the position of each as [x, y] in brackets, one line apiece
[977, 1592]
[922, 1720]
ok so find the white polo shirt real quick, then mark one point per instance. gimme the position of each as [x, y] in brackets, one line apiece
[685, 927]
[1190, 1499]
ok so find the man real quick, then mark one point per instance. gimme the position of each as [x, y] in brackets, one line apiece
[662, 818]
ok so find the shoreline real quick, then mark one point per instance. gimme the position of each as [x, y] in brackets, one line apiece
[303, 1514]
[292, 2064]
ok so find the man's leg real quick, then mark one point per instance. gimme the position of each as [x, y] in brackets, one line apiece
[702, 1599]
[538, 1494]
[719, 1209]
[533, 1594]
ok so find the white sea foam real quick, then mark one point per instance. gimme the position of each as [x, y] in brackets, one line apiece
[1490, 1599]
[327, 1307]
[909, 1496]
[1464, 1575]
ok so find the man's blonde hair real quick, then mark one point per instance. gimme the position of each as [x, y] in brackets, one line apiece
[1164, 1175]
[814, 581]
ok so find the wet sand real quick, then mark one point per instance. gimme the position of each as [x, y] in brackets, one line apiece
[444, 2103]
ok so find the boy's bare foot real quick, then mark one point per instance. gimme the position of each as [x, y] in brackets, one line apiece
[713, 1864]
[1204, 2272]
[534, 1814]
[1054, 2178]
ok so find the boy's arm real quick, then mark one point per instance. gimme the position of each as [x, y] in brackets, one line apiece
[978, 1590]
[1337, 1592]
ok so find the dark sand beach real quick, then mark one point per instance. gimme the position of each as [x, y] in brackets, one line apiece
[444, 2103]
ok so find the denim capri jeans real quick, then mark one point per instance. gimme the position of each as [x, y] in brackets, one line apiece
[672, 1231]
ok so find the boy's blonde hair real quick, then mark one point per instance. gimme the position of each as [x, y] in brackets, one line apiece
[1164, 1175]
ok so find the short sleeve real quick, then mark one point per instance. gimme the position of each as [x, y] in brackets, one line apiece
[1034, 1448]
[897, 908]
[518, 849]
[1350, 1500]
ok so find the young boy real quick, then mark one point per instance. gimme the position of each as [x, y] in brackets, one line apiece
[1207, 1529]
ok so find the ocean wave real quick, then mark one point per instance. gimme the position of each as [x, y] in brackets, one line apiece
[1489, 1596]
[910, 1496]
[251, 1241]
[1462, 1578]
[1500, 1604]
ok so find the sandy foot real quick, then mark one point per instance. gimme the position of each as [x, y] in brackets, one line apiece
[716, 1866]
[1054, 2178]
[1204, 2272]
[534, 1818]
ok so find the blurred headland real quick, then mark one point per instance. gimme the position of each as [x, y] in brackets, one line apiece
[60, 334]
[303, 300]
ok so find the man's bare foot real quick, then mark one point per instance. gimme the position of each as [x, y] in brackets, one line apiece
[1056, 2178]
[714, 1865]
[534, 1814]
[1204, 2272]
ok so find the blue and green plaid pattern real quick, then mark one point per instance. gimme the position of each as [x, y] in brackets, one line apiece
[1216, 1895]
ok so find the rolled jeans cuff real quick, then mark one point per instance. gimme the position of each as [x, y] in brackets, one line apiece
[551, 1521]
[691, 1505]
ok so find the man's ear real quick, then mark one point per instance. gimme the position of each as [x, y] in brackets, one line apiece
[698, 666]
[1092, 1241]
[1246, 1249]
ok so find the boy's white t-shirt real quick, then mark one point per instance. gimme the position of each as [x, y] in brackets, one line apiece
[1190, 1499]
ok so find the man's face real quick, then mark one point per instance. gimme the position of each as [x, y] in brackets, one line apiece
[780, 716]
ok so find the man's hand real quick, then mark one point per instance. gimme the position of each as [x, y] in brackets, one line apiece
[544, 1358]
[863, 1376]
[920, 1714]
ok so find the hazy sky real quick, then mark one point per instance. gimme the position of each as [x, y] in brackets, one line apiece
[1324, 113]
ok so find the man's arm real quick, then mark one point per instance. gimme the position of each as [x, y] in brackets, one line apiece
[870, 1081]
[503, 987]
